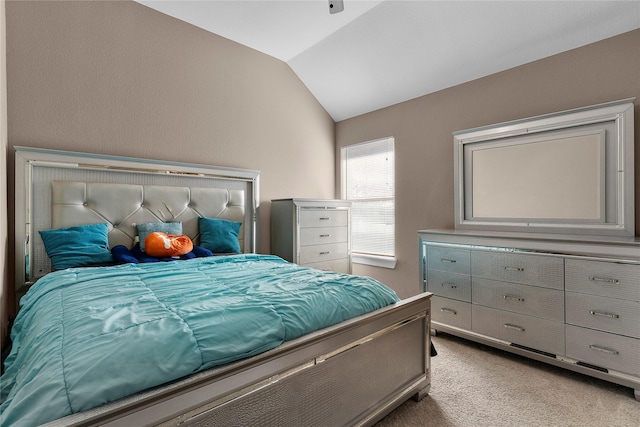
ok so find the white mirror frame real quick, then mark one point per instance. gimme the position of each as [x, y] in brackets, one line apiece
[616, 208]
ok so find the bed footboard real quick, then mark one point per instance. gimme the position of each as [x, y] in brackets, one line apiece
[353, 373]
[349, 387]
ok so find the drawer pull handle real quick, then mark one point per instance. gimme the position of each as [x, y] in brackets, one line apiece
[325, 235]
[451, 285]
[516, 327]
[508, 268]
[449, 310]
[452, 261]
[602, 279]
[603, 349]
[603, 314]
[324, 218]
[325, 252]
[513, 298]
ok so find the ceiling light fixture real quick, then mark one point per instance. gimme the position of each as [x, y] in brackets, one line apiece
[336, 6]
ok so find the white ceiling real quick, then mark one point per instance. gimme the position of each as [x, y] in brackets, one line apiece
[379, 53]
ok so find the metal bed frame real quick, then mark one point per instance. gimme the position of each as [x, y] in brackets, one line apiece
[352, 373]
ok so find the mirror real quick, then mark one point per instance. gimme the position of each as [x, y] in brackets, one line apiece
[564, 173]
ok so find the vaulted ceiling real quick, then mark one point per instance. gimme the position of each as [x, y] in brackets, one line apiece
[379, 53]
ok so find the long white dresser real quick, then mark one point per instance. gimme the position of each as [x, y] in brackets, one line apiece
[313, 233]
[573, 303]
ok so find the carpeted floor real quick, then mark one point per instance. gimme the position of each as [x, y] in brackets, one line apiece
[473, 385]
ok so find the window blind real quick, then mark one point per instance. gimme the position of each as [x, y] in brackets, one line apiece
[369, 183]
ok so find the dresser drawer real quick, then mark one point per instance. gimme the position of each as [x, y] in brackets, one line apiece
[323, 218]
[545, 271]
[322, 235]
[603, 278]
[532, 300]
[603, 349]
[320, 253]
[448, 259]
[451, 312]
[528, 331]
[339, 265]
[604, 314]
[450, 285]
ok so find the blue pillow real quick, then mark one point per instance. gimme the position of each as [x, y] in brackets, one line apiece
[122, 255]
[78, 246]
[200, 252]
[219, 235]
[164, 227]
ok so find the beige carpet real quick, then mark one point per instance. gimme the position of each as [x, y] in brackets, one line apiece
[474, 385]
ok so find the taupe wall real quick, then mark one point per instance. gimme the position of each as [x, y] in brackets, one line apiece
[597, 73]
[4, 242]
[120, 78]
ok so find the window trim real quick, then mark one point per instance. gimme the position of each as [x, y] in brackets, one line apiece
[384, 261]
[376, 260]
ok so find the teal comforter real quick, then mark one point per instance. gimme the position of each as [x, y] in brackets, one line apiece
[87, 336]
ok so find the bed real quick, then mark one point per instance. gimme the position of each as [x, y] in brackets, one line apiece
[316, 348]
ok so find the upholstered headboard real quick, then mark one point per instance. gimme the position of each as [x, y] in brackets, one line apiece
[57, 189]
[122, 206]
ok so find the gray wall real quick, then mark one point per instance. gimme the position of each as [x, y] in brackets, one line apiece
[597, 73]
[122, 79]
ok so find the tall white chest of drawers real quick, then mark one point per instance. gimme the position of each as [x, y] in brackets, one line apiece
[313, 233]
[571, 303]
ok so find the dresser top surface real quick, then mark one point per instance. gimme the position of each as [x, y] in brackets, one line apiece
[594, 246]
[314, 202]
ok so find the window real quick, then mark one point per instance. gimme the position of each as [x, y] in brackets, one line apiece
[369, 183]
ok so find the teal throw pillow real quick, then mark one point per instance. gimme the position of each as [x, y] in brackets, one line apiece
[219, 235]
[79, 246]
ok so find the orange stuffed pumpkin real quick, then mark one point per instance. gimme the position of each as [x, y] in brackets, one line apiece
[161, 245]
